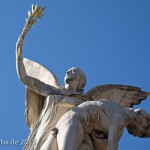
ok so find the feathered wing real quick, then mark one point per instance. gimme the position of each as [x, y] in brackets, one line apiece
[34, 101]
[124, 95]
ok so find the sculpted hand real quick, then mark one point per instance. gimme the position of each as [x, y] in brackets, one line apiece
[19, 46]
[20, 42]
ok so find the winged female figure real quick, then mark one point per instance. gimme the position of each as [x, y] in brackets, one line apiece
[47, 102]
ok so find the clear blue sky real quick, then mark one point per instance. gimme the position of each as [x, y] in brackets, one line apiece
[109, 40]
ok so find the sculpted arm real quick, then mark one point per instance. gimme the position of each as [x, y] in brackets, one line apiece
[114, 119]
[114, 135]
[32, 83]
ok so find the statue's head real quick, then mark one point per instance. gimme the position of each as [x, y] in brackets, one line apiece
[73, 75]
[140, 124]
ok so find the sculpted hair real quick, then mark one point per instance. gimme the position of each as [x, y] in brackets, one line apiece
[136, 128]
[82, 80]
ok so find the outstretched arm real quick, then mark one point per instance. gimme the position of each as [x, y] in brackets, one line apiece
[32, 83]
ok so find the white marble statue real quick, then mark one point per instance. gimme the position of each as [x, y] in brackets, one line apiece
[90, 122]
[103, 115]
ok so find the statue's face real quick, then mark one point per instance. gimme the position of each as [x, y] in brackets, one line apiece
[71, 75]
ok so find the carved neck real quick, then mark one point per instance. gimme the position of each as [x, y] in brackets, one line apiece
[72, 86]
[133, 117]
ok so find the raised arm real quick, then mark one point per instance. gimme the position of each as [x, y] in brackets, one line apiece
[30, 82]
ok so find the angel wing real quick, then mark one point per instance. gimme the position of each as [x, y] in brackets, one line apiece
[125, 95]
[34, 101]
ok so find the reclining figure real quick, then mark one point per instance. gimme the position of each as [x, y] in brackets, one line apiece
[105, 116]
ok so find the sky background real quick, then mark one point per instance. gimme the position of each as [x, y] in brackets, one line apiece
[109, 40]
